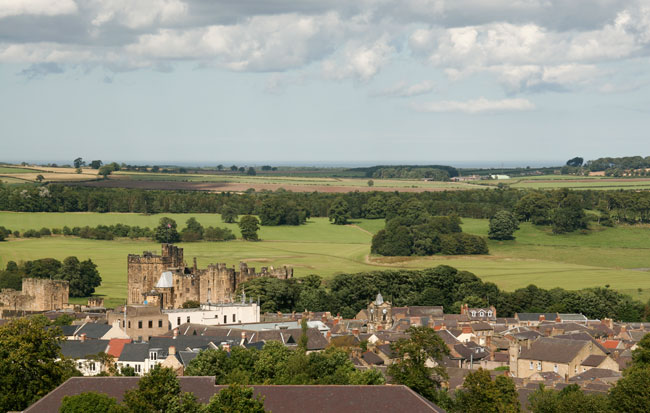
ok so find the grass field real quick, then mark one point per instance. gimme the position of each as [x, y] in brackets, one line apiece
[13, 170]
[570, 181]
[612, 256]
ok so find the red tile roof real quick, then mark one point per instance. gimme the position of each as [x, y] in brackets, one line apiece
[116, 345]
[612, 344]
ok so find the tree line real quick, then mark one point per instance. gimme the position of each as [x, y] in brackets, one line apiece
[347, 294]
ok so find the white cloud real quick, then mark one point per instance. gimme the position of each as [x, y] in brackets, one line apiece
[138, 13]
[262, 43]
[403, 89]
[479, 105]
[37, 7]
[360, 61]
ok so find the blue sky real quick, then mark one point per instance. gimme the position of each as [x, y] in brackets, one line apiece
[517, 81]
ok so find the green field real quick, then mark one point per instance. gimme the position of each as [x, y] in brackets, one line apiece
[611, 256]
[569, 181]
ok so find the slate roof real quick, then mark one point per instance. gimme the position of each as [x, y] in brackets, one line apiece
[593, 360]
[371, 358]
[535, 316]
[93, 330]
[572, 317]
[77, 349]
[134, 352]
[527, 335]
[584, 337]
[385, 349]
[481, 326]
[185, 357]
[286, 399]
[69, 331]
[425, 311]
[593, 374]
[469, 352]
[552, 349]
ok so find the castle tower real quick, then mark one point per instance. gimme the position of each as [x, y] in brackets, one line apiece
[144, 271]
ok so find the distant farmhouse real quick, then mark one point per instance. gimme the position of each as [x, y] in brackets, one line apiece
[167, 281]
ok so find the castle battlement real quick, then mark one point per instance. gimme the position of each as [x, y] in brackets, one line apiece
[167, 278]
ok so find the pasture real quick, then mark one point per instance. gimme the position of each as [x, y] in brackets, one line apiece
[618, 257]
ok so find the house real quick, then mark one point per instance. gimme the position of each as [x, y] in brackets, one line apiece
[286, 399]
[483, 332]
[488, 314]
[534, 319]
[140, 322]
[546, 354]
[84, 353]
[215, 314]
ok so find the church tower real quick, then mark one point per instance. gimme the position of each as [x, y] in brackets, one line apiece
[380, 314]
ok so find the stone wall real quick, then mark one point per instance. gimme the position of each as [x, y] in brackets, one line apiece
[143, 271]
[37, 295]
[216, 283]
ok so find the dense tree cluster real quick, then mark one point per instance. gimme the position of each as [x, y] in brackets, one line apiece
[413, 231]
[436, 172]
[82, 275]
[277, 364]
[248, 226]
[562, 209]
[346, 294]
[194, 231]
[281, 211]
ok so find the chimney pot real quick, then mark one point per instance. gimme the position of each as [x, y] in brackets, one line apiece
[82, 337]
[175, 332]
[542, 317]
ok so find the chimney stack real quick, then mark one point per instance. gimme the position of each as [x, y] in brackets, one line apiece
[172, 350]
[175, 332]
[82, 337]
[558, 319]
[542, 317]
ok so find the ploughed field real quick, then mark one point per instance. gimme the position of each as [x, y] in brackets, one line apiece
[618, 257]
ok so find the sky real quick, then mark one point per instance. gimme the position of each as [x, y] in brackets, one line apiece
[516, 82]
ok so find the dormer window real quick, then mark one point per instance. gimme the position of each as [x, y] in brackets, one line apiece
[490, 313]
[481, 314]
[473, 313]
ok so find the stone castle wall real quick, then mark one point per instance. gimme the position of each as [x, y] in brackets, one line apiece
[37, 295]
[143, 271]
[216, 283]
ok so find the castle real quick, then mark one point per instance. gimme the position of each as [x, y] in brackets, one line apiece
[165, 279]
[37, 295]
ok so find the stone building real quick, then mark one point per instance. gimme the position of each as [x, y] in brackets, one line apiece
[140, 322]
[379, 314]
[37, 295]
[165, 280]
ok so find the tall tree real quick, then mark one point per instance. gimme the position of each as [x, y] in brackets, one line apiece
[503, 226]
[88, 402]
[28, 362]
[166, 231]
[236, 399]
[229, 214]
[413, 354]
[480, 394]
[249, 225]
[339, 212]
[575, 162]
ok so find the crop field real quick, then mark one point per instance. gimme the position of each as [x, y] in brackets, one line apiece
[13, 170]
[13, 175]
[571, 182]
[618, 257]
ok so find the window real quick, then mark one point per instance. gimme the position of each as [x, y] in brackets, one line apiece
[178, 321]
[140, 324]
[481, 314]
[473, 313]
[80, 364]
[150, 323]
[233, 318]
[575, 369]
[91, 366]
[159, 323]
[188, 319]
[129, 324]
[225, 319]
[490, 313]
[153, 355]
[555, 368]
[531, 365]
[584, 369]
[138, 368]
[124, 323]
[539, 365]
